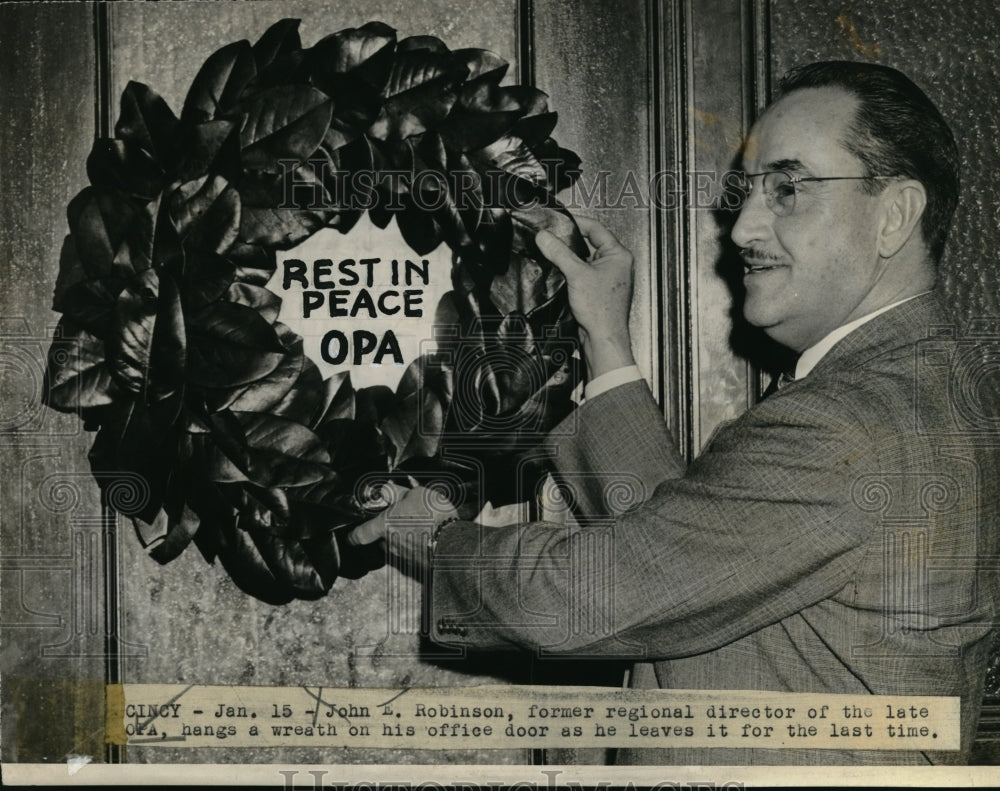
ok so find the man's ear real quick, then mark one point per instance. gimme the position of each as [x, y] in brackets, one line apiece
[903, 204]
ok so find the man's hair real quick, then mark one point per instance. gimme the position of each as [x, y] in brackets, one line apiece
[897, 131]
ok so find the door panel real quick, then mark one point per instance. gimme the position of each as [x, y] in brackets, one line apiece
[51, 624]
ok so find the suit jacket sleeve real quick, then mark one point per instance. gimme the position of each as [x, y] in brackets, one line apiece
[614, 451]
[763, 524]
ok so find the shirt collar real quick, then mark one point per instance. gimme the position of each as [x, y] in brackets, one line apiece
[811, 356]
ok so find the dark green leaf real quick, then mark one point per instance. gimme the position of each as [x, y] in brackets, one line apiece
[446, 313]
[431, 373]
[298, 187]
[381, 215]
[304, 400]
[207, 541]
[417, 109]
[130, 342]
[263, 394]
[205, 499]
[349, 179]
[544, 409]
[374, 403]
[422, 44]
[356, 103]
[523, 286]
[196, 418]
[331, 499]
[419, 227]
[125, 166]
[290, 565]
[333, 171]
[99, 221]
[357, 448]
[338, 398]
[102, 454]
[265, 302]
[210, 146]
[76, 376]
[219, 83]
[512, 155]
[321, 549]
[151, 532]
[352, 67]
[221, 455]
[71, 272]
[482, 63]
[561, 164]
[280, 39]
[91, 304]
[181, 531]
[168, 354]
[254, 264]
[280, 229]
[267, 510]
[137, 442]
[282, 452]
[292, 68]
[343, 132]
[348, 49]
[431, 153]
[484, 95]
[207, 212]
[535, 129]
[461, 205]
[230, 345]
[207, 277]
[420, 67]
[151, 241]
[283, 123]
[414, 428]
[493, 238]
[472, 131]
[147, 121]
[479, 392]
[241, 559]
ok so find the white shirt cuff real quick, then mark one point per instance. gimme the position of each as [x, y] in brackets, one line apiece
[610, 380]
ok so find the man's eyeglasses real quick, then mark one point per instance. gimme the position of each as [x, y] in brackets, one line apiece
[779, 188]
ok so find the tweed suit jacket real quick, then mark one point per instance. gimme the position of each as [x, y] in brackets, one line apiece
[825, 541]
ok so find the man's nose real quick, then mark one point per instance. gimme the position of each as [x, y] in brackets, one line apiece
[754, 221]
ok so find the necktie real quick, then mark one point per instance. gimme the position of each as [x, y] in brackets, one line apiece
[778, 382]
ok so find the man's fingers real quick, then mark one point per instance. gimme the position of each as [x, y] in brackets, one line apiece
[392, 493]
[558, 253]
[603, 242]
[600, 238]
[368, 532]
[374, 529]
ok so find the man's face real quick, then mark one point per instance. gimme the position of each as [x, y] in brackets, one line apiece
[811, 271]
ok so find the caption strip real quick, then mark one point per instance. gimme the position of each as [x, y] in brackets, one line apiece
[519, 716]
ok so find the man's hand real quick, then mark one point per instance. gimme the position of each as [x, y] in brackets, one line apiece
[600, 294]
[408, 524]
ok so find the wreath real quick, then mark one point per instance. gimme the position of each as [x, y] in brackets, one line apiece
[207, 411]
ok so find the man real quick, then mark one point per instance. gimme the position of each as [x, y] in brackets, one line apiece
[826, 541]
